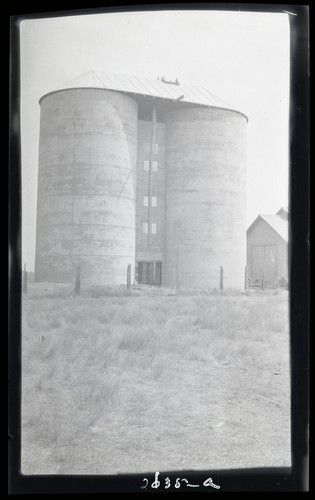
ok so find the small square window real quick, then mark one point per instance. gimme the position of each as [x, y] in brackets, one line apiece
[145, 201]
[154, 201]
[145, 228]
[154, 166]
[153, 228]
[155, 148]
[146, 165]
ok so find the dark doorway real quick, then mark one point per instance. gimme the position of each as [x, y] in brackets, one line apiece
[149, 273]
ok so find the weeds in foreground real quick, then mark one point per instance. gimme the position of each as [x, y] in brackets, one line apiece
[116, 366]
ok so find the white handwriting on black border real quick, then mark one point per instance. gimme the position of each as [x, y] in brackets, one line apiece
[167, 483]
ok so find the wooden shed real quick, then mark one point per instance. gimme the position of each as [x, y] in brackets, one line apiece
[267, 250]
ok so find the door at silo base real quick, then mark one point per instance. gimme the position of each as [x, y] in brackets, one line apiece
[264, 265]
[149, 273]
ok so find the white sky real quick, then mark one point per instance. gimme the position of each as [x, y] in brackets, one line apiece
[241, 57]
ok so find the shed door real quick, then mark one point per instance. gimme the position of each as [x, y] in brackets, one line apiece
[271, 265]
[257, 264]
[264, 264]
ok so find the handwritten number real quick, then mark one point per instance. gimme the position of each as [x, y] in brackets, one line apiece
[167, 482]
[145, 486]
[156, 483]
[177, 483]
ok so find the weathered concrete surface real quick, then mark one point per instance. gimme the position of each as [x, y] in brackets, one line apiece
[86, 186]
[90, 192]
[205, 221]
[153, 248]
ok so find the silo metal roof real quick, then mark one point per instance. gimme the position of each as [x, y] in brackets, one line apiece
[151, 87]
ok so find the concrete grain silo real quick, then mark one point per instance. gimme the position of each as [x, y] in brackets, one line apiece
[205, 220]
[141, 171]
[86, 186]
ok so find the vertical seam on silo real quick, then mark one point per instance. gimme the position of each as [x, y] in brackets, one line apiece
[73, 172]
[37, 202]
[165, 186]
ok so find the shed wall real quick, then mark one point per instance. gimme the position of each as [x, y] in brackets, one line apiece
[263, 235]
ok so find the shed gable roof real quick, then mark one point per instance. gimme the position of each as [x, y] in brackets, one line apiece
[283, 212]
[276, 222]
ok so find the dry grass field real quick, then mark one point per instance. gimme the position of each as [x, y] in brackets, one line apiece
[153, 380]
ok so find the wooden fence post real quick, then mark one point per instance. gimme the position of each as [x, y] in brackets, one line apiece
[77, 281]
[129, 276]
[221, 278]
[246, 277]
[25, 280]
[263, 271]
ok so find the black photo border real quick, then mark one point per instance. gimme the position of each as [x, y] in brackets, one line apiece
[255, 480]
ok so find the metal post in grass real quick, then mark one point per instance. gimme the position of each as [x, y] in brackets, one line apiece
[25, 280]
[221, 278]
[129, 276]
[77, 287]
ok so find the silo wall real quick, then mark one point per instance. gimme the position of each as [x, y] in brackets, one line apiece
[205, 215]
[86, 187]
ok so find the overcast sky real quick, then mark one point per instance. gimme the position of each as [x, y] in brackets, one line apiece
[241, 57]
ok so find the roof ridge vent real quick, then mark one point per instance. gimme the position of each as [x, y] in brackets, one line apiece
[163, 80]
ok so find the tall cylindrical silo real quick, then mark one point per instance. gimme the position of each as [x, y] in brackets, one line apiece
[86, 186]
[205, 223]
